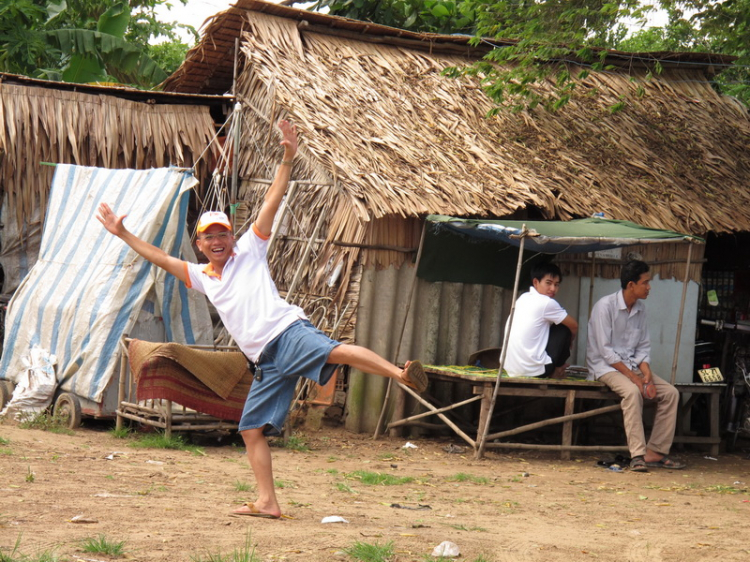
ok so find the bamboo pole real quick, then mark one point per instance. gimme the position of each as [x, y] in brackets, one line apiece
[685, 281]
[553, 421]
[403, 330]
[281, 214]
[305, 255]
[591, 282]
[448, 422]
[535, 447]
[484, 430]
[236, 141]
[408, 420]
[236, 121]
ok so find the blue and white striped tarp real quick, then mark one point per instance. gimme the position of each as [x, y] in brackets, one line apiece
[87, 287]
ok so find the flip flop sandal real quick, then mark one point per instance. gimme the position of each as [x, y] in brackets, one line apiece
[253, 512]
[666, 462]
[637, 464]
[622, 460]
[415, 377]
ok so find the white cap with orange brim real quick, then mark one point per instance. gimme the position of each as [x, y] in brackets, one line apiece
[213, 217]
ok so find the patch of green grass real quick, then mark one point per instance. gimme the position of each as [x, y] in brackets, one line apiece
[332, 459]
[16, 556]
[246, 553]
[366, 552]
[160, 441]
[6, 452]
[721, 489]
[332, 471]
[122, 433]
[4, 441]
[387, 457]
[464, 477]
[281, 484]
[30, 477]
[293, 443]
[341, 487]
[46, 422]
[242, 486]
[378, 478]
[102, 545]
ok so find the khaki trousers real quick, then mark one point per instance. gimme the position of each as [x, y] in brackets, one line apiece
[667, 399]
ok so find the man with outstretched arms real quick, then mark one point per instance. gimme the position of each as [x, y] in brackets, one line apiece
[272, 333]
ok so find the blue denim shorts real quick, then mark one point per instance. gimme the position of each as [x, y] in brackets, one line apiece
[299, 351]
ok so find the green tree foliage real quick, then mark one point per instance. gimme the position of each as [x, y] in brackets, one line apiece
[432, 16]
[87, 40]
[530, 34]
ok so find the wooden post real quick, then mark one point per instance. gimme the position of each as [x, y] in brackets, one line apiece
[591, 282]
[714, 423]
[482, 438]
[401, 335]
[484, 409]
[168, 420]
[685, 281]
[567, 433]
[121, 382]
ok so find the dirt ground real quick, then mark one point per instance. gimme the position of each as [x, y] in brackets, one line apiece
[172, 506]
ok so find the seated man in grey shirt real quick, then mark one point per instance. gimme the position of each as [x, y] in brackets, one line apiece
[618, 354]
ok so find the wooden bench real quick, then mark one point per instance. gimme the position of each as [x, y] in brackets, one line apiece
[568, 389]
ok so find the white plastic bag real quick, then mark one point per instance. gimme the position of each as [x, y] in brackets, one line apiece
[35, 385]
[446, 549]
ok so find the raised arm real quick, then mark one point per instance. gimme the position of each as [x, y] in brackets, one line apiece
[276, 192]
[155, 255]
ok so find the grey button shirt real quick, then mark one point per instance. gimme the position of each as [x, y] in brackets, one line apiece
[616, 335]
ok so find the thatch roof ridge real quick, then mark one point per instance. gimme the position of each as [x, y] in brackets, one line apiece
[208, 66]
[400, 139]
[59, 125]
[120, 90]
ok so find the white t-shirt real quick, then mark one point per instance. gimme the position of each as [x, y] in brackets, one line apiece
[245, 295]
[527, 343]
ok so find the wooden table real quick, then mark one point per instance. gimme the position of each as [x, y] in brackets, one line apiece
[695, 391]
[569, 390]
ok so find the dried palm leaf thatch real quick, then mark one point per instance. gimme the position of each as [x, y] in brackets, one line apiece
[403, 140]
[41, 124]
[387, 139]
[668, 261]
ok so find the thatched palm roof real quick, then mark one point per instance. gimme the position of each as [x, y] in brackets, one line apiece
[111, 127]
[397, 138]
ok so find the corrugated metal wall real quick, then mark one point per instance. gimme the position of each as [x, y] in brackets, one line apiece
[446, 323]
[449, 321]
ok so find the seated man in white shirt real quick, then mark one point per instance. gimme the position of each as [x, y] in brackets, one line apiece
[542, 331]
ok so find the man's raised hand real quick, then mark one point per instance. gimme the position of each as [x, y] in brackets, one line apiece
[289, 142]
[110, 220]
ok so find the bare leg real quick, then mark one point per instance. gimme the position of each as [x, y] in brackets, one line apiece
[363, 359]
[370, 362]
[259, 455]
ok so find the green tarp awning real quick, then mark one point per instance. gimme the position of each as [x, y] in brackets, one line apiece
[481, 251]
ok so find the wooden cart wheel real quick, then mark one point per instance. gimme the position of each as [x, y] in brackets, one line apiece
[6, 392]
[68, 410]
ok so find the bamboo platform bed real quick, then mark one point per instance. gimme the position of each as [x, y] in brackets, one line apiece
[575, 392]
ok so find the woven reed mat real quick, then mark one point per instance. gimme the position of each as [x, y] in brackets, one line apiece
[218, 370]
